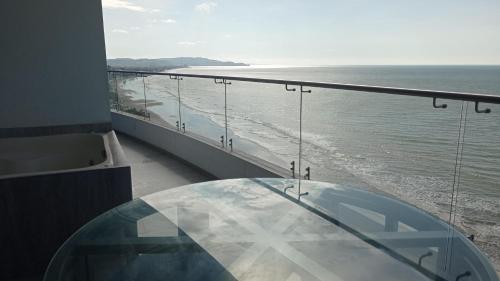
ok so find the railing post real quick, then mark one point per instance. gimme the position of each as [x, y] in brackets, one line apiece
[145, 100]
[179, 94]
[117, 95]
[300, 141]
[224, 81]
[302, 91]
[449, 255]
[178, 78]
[225, 108]
[293, 162]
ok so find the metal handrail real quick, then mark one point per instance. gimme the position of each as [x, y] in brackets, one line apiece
[474, 97]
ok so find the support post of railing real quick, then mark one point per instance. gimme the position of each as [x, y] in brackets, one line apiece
[441, 258]
[300, 140]
[145, 100]
[179, 94]
[178, 78]
[225, 107]
[117, 94]
[292, 168]
[302, 91]
[224, 81]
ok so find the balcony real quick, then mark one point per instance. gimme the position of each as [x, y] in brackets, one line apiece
[155, 170]
[165, 109]
[243, 175]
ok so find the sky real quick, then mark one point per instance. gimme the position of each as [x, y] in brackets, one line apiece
[307, 32]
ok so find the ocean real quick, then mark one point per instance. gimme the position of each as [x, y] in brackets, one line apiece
[396, 145]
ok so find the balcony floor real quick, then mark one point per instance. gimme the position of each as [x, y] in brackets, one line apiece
[154, 170]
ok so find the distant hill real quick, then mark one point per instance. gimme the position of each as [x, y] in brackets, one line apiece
[165, 63]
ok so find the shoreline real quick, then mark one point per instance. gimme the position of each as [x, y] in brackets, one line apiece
[487, 243]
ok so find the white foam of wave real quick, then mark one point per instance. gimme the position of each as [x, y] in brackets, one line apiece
[261, 129]
[432, 194]
[428, 193]
[256, 130]
[476, 214]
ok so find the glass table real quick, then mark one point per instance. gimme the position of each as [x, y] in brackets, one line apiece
[259, 229]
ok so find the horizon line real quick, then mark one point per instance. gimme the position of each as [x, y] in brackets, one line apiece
[309, 65]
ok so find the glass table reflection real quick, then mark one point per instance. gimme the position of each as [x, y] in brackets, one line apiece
[257, 229]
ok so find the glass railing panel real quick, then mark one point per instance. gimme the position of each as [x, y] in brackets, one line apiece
[112, 91]
[399, 147]
[130, 94]
[263, 123]
[476, 205]
[385, 143]
[162, 100]
[406, 233]
[202, 109]
[117, 86]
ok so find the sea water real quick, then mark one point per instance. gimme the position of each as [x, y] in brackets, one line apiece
[397, 145]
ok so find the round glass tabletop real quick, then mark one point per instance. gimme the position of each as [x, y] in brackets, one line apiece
[259, 229]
